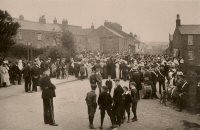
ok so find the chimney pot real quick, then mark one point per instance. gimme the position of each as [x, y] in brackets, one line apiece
[21, 17]
[178, 21]
[55, 21]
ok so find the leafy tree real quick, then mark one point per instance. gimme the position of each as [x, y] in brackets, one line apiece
[8, 29]
[67, 41]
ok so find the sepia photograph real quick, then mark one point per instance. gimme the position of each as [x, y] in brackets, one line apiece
[100, 64]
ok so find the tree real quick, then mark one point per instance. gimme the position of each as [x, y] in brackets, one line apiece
[8, 29]
[67, 41]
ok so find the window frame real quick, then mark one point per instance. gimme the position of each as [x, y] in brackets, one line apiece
[190, 40]
[39, 36]
[189, 56]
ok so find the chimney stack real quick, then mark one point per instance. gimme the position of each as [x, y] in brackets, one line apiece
[21, 17]
[178, 21]
[92, 26]
[64, 22]
[42, 19]
[55, 21]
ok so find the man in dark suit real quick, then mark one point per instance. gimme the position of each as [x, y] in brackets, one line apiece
[137, 77]
[27, 77]
[93, 78]
[161, 78]
[154, 78]
[105, 104]
[48, 93]
[109, 84]
[118, 103]
[35, 72]
[99, 80]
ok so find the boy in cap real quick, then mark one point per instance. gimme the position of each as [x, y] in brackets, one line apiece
[134, 97]
[105, 104]
[109, 83]
[92, 104]
[126, 97]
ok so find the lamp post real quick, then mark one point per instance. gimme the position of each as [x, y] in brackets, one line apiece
[29, 51]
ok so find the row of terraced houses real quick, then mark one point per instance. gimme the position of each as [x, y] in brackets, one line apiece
[107, 38]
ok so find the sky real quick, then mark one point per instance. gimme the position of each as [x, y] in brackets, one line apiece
[152, 20]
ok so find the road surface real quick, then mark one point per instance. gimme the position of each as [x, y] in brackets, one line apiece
[24, 111]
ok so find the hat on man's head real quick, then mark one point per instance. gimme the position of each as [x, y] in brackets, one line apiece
[180, 73]
[133, 83]
[93, 86]
[116, 79]
[105, 87]
[125, 87]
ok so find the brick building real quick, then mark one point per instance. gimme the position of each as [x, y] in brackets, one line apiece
[185, 43]
[107, 38]
[37, 34]
[114, 39]
[41, 34]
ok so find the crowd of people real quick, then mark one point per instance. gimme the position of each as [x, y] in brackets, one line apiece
[143, 72]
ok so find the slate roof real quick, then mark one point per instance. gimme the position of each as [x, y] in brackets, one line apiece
[30, 25]
[49, 27]
[189, 29]
[114, 32]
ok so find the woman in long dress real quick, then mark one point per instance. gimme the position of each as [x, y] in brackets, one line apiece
[117, 69]
[5, 78]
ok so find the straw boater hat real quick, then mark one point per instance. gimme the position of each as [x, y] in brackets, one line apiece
[105, 87]
[116, 79]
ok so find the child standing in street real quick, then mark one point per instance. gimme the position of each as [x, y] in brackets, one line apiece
[134, 97]
[126, 97]
[109, 84]
[91, 104]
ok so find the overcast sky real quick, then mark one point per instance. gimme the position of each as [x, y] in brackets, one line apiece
[153, 20]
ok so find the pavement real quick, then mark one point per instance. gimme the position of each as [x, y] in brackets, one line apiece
[24, 111]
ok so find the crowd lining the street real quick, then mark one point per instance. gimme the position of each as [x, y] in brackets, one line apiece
[142, 71]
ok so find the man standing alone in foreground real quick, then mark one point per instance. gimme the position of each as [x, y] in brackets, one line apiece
[48, 93]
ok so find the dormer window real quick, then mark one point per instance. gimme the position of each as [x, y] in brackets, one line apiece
[190, 40]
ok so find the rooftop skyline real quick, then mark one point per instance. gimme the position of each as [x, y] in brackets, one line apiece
[151, 20]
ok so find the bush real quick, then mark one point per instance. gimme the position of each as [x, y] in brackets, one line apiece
[20, 51]
[57, 52]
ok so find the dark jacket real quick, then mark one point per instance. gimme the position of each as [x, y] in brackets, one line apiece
[91, 99]
[35, 72]
[109, 84]
[126, 100]
[93, 79]
[105, 101]
[134, 95]
[137, 77]
[26, 72]
[48, 89]
[117, 97]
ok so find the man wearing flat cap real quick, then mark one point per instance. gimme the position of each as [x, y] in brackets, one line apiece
[48, 93]
[91, 104]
